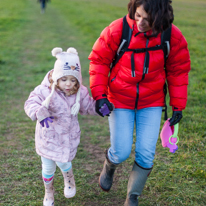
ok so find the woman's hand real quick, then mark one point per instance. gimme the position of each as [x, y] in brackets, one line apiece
[176, 117]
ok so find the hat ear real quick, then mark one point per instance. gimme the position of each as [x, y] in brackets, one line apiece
[72, 50]
[56, 51]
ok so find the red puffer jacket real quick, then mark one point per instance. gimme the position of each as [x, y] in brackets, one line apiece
[139, 91]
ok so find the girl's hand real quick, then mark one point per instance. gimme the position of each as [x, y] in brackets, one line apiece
[105, 110]
[45, 121]
[100, 103]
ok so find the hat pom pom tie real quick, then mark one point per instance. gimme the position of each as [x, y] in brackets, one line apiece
[46, 102]
[76, 106]
[75, 109]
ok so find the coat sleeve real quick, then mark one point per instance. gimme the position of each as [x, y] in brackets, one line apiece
[33, 107]
[177, 69]
[87, 103]
[101, 57]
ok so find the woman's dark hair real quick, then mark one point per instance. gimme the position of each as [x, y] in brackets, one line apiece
[160, 13]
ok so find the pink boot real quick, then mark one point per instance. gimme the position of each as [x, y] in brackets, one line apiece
[69, 184]
[49, 194]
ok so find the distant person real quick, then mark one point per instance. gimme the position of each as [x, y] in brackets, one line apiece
[135, 86]
[43, 5]
[55, 105]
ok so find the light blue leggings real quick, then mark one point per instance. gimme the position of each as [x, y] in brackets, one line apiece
[121, 123]
[49, 167]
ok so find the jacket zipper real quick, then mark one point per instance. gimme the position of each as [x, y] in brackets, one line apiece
[145, 71]
[146, 62]
[137, 98]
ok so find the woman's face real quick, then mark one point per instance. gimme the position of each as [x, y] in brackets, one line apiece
[141, 18]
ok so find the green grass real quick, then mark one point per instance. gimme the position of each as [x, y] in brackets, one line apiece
[27, 38]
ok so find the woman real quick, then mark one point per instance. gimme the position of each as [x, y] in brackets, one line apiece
[137, 93]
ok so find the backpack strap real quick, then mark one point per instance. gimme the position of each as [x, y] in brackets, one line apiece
[165, 41]
[124, 43]
[165, 107]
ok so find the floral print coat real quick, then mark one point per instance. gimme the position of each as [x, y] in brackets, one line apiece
[59, 142]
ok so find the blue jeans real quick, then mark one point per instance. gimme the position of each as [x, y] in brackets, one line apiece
[121, 123]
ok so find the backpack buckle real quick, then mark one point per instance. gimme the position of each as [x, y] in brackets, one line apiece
[168, 48]
[121, 45]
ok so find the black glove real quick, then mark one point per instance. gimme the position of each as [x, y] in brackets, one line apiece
[176, 117]
[100, 103]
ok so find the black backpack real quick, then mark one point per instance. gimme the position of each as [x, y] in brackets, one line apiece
[124, 44]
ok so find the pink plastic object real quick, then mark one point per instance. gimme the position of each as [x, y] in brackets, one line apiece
[169, 136]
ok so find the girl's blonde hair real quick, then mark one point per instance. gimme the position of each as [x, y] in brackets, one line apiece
[73, 91]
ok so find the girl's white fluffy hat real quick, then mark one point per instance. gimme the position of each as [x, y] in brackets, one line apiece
[67, 63]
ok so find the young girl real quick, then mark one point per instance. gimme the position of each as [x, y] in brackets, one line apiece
[55, 104]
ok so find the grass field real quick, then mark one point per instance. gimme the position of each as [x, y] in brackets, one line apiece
[26, 39]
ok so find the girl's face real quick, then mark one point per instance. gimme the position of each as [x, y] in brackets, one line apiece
[67, 83]
[141, 18]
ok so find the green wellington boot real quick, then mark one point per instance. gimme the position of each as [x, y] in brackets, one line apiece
[106, 176]
[137, 180]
